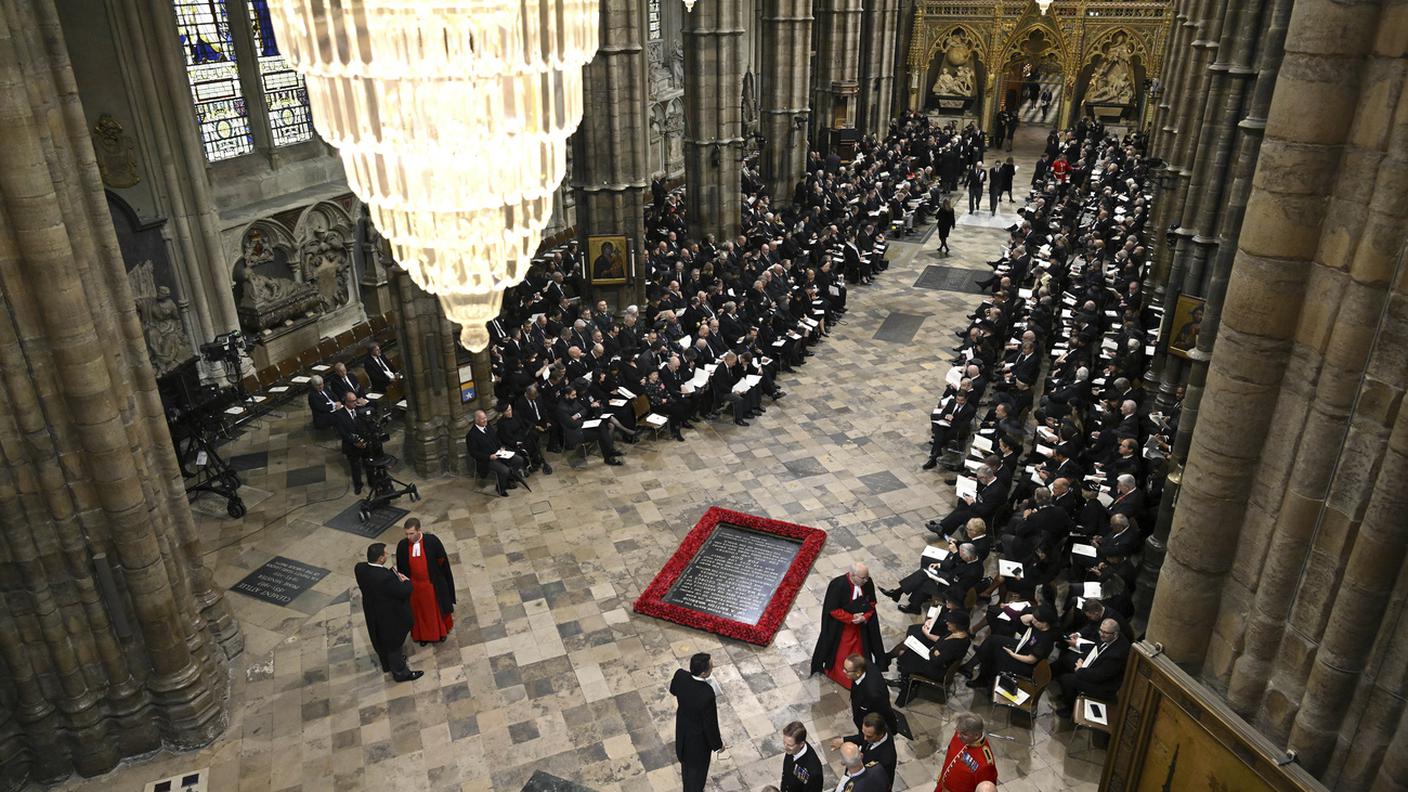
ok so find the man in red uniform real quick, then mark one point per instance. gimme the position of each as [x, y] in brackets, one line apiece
[969, 761]
[421, 557]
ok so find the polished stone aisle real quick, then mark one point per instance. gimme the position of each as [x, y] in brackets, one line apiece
[547, 667]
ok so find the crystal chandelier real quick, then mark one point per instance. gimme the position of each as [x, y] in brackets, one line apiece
[452, 119]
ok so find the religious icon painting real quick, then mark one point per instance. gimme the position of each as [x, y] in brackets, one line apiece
[606, 260]
[1187, 321]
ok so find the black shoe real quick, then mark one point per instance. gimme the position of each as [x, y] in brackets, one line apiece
[931, 464]
[779, 395]
[910, 608]
[410, 677]
[613, 460]
[547, 469]
[740, 422]
[513, 485]
[678, 436]
[357, 489]
[501, 492]
[893, 593]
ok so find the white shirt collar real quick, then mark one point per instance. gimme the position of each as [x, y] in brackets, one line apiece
[880, 741]
[797, 757]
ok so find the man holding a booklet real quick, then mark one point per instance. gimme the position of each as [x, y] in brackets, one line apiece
[1100, 672]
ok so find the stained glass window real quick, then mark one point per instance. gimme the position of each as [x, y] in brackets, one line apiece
[209, 48]
[285, 95]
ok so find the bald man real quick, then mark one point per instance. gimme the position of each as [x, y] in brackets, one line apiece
[857, 775]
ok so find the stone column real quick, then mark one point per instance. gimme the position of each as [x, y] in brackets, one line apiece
[436, 419]
[611, 162]
[787, 73]
[1290, 544]
[880, 37]
[113, 638]
[1254, 51]
[836, 82]
[713, 118]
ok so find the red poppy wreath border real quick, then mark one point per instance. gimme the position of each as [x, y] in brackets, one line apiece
[651, 601]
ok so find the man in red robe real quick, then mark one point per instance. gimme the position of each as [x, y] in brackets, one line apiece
[849, 626]
[422, 558]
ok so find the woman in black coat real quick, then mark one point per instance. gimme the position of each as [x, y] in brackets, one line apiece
[946, 221]
[948, 641]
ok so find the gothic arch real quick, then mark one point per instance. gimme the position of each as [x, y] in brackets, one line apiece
[976, 43]
[1018, 42]
[263, 242]
[326, 235]
[1100, 44]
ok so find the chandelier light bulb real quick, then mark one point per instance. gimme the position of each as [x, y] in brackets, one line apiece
[451, 118]
[688, 6]
[1043, 5]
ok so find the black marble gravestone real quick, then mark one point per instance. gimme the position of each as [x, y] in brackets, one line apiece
[280, 581]
[735, 573]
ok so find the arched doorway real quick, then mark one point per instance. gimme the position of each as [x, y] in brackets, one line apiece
[1032, 81]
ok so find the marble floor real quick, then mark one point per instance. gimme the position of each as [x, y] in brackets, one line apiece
[547, 667]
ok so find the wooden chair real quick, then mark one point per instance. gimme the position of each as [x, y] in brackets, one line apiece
[1092, 727]
[361, 331]
[1034, 688]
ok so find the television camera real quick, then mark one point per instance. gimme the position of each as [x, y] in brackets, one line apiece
[195, 417]
[370, 439]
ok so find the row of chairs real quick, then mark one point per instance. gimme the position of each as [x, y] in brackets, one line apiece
[345, 347]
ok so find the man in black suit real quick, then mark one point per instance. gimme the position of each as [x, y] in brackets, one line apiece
[954, 414]
[877, 745]
[571, 412]
[519, 432]
[1119, 541]
[801, 767]
[491, 454]
[342, 383]
[386, 603]
[984, 504]
[379, 370]
[1100, 673]
[344, 420]
[320, 403]
[696, 721]
[869, 694]
[746, 404]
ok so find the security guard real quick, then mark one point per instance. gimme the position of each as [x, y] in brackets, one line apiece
[969, 761]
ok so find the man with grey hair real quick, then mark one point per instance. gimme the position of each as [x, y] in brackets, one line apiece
[1099, 674]
[848, 626]
[320, 403]
[856, 775]
[969, 761]
[984, 504]
[1118, 541]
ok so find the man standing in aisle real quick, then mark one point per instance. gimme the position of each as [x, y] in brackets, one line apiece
[801, 769]
[848, 626]
[696, 721]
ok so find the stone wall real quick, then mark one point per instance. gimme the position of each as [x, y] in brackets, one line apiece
[1284, 583]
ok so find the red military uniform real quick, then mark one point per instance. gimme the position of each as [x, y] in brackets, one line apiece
[965, 766]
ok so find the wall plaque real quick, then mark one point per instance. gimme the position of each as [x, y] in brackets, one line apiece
[280, 581]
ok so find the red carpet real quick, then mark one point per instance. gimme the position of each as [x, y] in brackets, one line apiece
[742, 584]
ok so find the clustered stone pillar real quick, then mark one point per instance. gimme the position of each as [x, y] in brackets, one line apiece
[113, 640]
[1285, 575]
[436, 419]
[879, 39]
[713, 118]
[837, 44]
[787, 69]
[1253, 36]
[612, 158]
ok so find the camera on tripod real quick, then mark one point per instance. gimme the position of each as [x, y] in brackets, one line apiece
[226, 347]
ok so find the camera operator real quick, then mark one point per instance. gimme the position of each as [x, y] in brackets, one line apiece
[349, 428]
